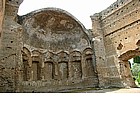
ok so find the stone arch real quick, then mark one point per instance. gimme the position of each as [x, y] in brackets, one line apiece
[75, 55]
[36, 65]
[125, 71]
[63, 56]
[49, 66]
[63, 65]
[88, 66]
[87, 51]
[36, 53]
[57, 40]
[54, 10]
[55, 29]
[26, 53]
[27, 63]
[76, 65]
[129, 54]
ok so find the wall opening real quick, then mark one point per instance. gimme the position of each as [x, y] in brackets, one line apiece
[89, 67]
[26, 67]
[127, 66]
[48, 71]
[25, 70]
[76, 69]
[135, 69]
[63, 69]
[36, 70]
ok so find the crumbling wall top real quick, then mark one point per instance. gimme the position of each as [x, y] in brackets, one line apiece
[55, 11]
[14, 2]
[111, 9]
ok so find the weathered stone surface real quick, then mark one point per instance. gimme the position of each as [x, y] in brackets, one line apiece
[118, 26]
[49, 50]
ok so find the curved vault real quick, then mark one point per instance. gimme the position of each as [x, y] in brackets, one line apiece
[59, 55]
[54, 29]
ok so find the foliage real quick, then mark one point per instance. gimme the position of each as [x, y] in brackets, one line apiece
[138, 78]
[135, 70]
[136, 59]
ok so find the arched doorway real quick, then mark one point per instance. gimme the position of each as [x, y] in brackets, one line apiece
[125, 67]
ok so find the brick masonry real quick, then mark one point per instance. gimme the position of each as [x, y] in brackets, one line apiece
[49, 50]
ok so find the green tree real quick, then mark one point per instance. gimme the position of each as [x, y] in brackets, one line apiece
[138, 78]
[135, 70]
[136, 59]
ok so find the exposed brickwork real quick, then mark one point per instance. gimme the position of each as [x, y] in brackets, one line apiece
[49, 50]
[45, 51]
[120, 25]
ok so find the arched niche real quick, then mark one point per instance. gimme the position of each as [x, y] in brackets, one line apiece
[27, 63]
[63, 65]
[49, 66]
[36, 65]
[125, 70]
[76, 65]
[53, 29]
[63, 56]
[88, 67]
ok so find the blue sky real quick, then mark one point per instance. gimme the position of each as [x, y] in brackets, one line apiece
[82, 10]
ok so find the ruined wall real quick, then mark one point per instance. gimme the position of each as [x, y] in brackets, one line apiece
[11, 42]
[2, 9]
[57, 52]
[47, 50]
[120, 25]
[50, 50]
[99, 49]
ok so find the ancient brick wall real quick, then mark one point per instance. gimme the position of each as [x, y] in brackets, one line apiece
[11, 42]
[47, 50]
[57, 52]
[2, 9]
[50, 50]
[120, 25]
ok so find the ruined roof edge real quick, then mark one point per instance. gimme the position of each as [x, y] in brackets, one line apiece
[111, 9]
[21, 18]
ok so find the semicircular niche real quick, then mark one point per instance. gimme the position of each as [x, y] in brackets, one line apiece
[59, 51]
[54, 29]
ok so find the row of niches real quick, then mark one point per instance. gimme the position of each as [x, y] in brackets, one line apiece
[121, 12]
[60, 66]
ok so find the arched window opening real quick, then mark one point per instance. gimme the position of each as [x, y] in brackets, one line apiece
[76, 66]
[135, 69]
[26, 67]
[63, 69]
[49, 70]
[89, 67]
[130, 68]
[77, 69]
[36, 70]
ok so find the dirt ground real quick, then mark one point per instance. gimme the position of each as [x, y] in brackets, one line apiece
[114, 90]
